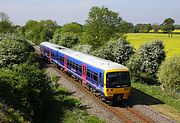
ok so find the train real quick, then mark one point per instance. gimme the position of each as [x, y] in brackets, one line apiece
[109, 79]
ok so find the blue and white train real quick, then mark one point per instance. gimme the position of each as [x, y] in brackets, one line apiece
[110, 79]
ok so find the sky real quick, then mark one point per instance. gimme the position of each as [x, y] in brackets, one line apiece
[66, 11]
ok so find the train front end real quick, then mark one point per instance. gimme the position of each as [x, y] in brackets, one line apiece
[117, 85]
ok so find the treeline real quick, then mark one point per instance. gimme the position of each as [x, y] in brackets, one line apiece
[103, 35]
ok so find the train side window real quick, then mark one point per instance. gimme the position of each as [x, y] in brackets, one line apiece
[100, 74]
[88, 72]
[95, 76]
[76, 67]
[61, 59]
[80, 68]
[70, 63]
[73, 65]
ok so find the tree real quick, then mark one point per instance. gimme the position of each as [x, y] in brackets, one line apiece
[101, 25]
[6, 27]
[106, 51]
[41, 31]
[66, 40]
[145, 63]
[85, 48]
[23, 87]
[123, 51]
[167, 26]
[5, 24]
[73, 27]
[153, 54]
[168, 74]
[118, 50]
[4, 16]
[148, 27]
[13, 50]
[126, 27]
[156, 27]
[31, 24]
[142, 28]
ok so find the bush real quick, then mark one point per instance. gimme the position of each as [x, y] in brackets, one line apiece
[169, 74]
[23, 87]
[85, 48]
[145, 63]
[14, 50]
[118, 50]
[134, 65]
[153, 54]
[123, 51]
[66, 40]
[106, 51]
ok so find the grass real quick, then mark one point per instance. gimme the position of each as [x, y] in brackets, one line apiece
[64, 108]
[171, 108]
[172, 45]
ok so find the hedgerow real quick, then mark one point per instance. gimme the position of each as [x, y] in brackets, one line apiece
[169, 74]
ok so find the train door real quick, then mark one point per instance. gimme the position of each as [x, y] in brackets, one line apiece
[84, 73]
[65, 62]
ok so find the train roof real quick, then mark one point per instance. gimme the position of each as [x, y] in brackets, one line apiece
[86, 58]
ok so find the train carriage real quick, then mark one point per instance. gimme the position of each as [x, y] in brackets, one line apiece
[110, 79]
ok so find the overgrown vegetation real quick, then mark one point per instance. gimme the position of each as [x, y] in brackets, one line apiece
[13, 50]
[117, 50]
[169, 75]
[147, 59]
[27, 94]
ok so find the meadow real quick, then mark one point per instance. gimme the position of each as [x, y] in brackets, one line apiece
[172, 45]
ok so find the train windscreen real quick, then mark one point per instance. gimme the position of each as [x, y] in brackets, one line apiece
[118, 79]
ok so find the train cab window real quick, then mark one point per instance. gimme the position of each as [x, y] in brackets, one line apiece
[88, 72]
[80, 68]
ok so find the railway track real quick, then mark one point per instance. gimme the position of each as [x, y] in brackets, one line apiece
[122, 111]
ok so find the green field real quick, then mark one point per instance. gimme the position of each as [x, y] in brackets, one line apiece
[172, 45]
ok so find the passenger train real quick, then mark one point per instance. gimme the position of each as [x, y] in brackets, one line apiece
[111, 80]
